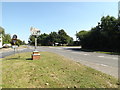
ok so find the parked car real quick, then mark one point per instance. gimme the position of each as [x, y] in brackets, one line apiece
[6, 45]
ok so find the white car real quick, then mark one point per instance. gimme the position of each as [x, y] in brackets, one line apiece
[6, 45]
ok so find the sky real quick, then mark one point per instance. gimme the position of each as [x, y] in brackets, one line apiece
[18, 17]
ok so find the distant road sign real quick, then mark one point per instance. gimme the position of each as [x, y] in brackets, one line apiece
[34, 31]
[14, 46]
[14, 41]
[14, 37]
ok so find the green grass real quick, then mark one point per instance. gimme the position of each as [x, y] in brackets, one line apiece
[51, 71]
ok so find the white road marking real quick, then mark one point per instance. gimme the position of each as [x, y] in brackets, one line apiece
[86, 54]
[103, 65]
[101, 56]
[80, 53]
[107, 57]
[114, 58]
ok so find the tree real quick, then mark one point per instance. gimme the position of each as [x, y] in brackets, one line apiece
[82, 36]
[2, 30]
[43, 39]
[23, 43]
[49, 39]
[63, 37]
[31, 40]
[53, 38]
[6, 39]
[105, 36]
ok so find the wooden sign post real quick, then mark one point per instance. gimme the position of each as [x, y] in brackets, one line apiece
[14, 42]
[35, 32]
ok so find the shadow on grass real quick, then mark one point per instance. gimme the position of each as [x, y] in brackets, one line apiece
[13, 58]
[29, 59]
[18, 58]
[79, 49]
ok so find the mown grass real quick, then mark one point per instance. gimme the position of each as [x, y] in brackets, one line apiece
[51, 71]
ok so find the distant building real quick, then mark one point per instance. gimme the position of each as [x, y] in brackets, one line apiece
[119, 9]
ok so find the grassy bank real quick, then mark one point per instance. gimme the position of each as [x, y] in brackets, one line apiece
[111, 53]
[98, 51]
[51, 71]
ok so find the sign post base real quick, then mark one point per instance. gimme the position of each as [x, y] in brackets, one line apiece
[35, 55]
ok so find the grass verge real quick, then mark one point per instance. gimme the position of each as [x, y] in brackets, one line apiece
[111, 53]
[51, 71]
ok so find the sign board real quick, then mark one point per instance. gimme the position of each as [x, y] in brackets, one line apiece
[34, 31]
[14, 46]
[14, 41]
[14, 37]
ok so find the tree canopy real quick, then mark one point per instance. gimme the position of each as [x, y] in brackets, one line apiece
[59, 37]
[105, 36]
[7, 38]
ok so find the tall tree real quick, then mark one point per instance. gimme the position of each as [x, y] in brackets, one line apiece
[7, 39]
[42, 39]
[105, 36]
[31, 40]
[63, 37]
[53, 38]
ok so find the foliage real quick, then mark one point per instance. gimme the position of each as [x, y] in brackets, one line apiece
[105, 36]
[7, 38]
[2, 30]
[43, 39]
[51, 39]
[23, 42]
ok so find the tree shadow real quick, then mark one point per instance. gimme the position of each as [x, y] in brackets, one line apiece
[79, 49]
[12, 58]
[18, 59]
[90, 50]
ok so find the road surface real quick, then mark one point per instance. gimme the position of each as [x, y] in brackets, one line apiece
[102, 62]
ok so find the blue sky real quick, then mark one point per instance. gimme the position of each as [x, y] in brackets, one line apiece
[17, 18]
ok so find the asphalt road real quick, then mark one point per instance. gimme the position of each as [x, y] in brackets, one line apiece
[10, 52]
[102, 62]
